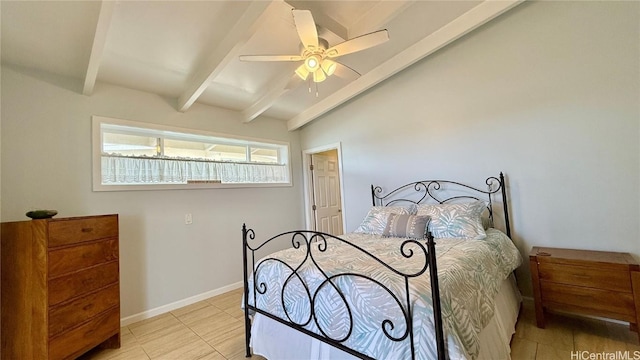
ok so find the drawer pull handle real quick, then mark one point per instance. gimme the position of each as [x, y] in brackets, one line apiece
[86, 230]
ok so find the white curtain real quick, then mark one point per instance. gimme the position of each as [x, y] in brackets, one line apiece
[123, 170]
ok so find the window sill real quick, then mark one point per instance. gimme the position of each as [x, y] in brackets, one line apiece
[136, 187]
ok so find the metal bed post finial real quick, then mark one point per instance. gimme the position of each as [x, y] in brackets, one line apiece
[373, 195]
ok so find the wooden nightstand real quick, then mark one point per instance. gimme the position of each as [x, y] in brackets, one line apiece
[597, 283]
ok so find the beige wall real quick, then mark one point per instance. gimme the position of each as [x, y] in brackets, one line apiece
[46, 163]
[547, 93]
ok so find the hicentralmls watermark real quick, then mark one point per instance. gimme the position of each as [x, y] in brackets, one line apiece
[606, 355]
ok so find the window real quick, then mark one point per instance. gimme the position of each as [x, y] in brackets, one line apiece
[129, 155]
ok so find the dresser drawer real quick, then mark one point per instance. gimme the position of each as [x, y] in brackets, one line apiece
[75, 230]
[616, 305]
[66, 260]
[71, 314]
[616, 280]
[72, 285]
[73, 343]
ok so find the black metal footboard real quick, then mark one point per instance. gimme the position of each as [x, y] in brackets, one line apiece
[312, 244]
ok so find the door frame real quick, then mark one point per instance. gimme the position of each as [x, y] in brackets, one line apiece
[307, 181]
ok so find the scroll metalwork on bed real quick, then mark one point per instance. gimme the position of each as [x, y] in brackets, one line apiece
[445, 191]
[324, 300]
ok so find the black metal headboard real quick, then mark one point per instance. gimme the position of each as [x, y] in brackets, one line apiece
[444, 191]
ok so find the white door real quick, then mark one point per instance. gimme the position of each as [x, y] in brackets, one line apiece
[326, 190]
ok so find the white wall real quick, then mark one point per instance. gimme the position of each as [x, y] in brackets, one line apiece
[548, 93]
[46, 163]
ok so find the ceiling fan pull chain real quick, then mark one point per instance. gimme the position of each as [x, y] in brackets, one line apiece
[309, 85]
[316, 89]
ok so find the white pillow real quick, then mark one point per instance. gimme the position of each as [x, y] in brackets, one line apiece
[376, 220]
[461, 220]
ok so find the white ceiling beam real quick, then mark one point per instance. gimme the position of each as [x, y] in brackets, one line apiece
[457, 28]
[99, 41]
[276, 89]
[378, 17]
[228, 49]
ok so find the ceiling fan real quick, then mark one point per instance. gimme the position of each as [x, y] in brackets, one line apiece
[316, 53]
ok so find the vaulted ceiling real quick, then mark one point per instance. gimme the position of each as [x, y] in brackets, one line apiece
[189, 50]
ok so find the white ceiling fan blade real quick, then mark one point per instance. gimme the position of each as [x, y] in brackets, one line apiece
[270, 58]
[346, 72]
[359, 43]
[306, 28]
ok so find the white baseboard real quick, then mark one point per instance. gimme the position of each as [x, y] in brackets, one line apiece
[178, 304]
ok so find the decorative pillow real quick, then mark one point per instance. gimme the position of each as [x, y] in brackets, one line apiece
[406, 226]
[455, 220]
[377, 218]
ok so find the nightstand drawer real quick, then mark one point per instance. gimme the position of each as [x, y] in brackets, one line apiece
[597, 283]
[70, 259]
[603, 302]
[583, 276]
[75, 230]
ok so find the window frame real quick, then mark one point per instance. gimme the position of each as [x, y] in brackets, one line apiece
[96, 153]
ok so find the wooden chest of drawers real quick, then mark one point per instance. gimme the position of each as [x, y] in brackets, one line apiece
[597, 283]
[60, 287]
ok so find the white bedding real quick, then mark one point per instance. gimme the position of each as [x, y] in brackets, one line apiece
[470, 273]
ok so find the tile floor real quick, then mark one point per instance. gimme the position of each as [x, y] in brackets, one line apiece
[213, 329]
[564, 334]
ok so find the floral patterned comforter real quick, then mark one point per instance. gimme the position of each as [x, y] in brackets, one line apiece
[469, 271]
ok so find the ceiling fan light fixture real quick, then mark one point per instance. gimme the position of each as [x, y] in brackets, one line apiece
[312, 63]
[302, 72]
[328, 66]
[319, 76]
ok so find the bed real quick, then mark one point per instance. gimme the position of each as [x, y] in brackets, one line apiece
[374, 294]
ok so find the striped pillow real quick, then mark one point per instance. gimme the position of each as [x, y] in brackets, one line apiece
[406, 226]
[377, 218]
